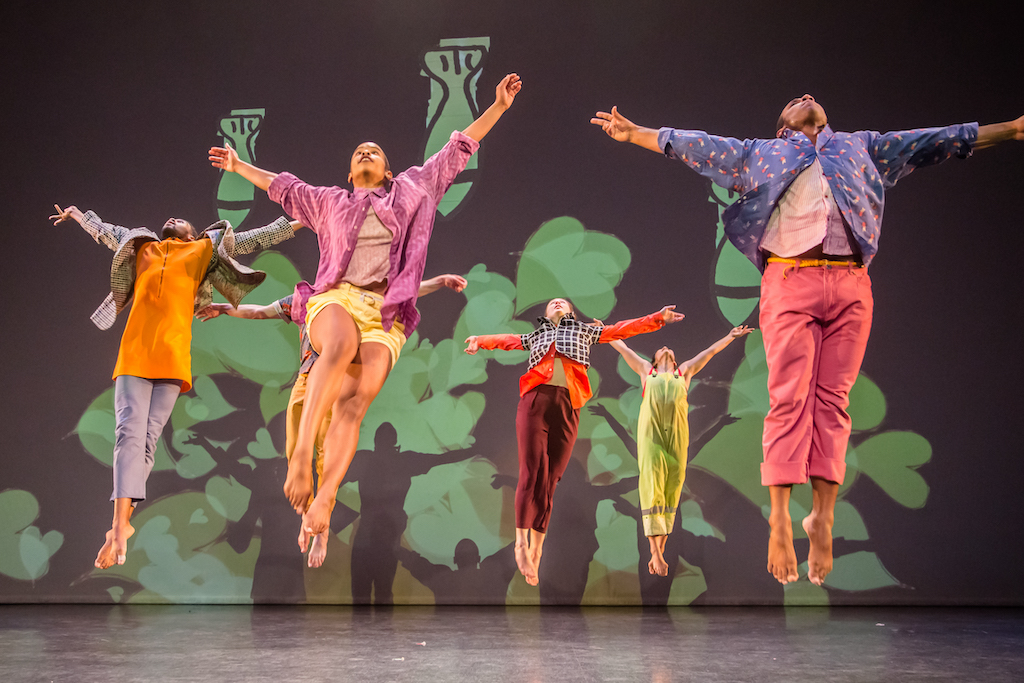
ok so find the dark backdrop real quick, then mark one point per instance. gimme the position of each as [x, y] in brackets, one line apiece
[113, 106]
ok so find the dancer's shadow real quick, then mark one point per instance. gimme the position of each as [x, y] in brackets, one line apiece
[571, 540]
[734, 570]
[385, 477]
[278, 574]
[474, 582]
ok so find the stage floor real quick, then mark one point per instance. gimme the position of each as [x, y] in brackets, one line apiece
[84, 643]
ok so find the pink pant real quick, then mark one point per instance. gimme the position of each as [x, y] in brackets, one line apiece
[815, 323]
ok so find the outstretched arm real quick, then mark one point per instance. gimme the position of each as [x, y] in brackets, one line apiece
[697, 363]
[421, 568]
[621, 129]
[226, 158]
[630, 328]
[504, 95]
[995, 133]
[634, 361]
[258, 239]
[247, 311]
[456, 282]
[505, 342]
[106, 234]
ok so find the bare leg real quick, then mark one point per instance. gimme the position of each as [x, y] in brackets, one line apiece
[536, 550]
[335, 335]
[781, 555]
[523, 556]
[115, 550]
[818, 526]
[362, 382]
[657, 565]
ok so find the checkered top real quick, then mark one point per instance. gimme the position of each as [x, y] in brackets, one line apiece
[231, 278]
[571, 338]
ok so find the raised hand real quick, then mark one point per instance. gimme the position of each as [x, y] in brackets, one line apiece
[472, 345]
[617, 126]
[68, 214]
[506, 91]
[669, 315]
[225, 158]
[740, 331]
[212, 311]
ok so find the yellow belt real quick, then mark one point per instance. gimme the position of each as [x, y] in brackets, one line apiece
[812, 263]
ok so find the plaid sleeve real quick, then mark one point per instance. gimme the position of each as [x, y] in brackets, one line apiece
[107, 234]
[592, 333]
[263, 238]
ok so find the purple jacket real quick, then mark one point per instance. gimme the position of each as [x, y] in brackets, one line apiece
[406, 206]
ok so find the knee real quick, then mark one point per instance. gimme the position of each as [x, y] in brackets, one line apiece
[336, 347]
[353, 408]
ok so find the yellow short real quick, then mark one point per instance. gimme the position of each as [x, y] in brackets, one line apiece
[364, 307]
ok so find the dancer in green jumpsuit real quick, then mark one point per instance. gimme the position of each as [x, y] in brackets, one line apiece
[663, 434]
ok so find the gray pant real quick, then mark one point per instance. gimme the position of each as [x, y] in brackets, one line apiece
[142, 408]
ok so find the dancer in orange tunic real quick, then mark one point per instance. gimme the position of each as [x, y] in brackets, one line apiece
[166, 279]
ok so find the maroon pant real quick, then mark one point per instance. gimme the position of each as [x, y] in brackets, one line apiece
[546, 425]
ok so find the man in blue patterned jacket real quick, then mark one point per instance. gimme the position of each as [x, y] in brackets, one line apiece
[809, 216]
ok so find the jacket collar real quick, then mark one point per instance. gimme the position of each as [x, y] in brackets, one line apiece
[824, 136]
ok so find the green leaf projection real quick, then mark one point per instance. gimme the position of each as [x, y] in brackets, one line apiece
[222, 532]
[25, 551]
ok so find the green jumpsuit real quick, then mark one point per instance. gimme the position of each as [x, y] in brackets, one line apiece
[663, 435]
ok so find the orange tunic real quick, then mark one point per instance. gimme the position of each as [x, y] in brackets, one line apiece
[157, 340]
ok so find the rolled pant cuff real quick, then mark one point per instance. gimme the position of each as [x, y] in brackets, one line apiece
[828, 469]
[659, 525]
[783, 473]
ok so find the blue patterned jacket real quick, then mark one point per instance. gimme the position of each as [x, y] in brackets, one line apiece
[859, 167]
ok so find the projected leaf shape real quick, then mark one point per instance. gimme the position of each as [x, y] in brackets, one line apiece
[565, 259]
[25, 551]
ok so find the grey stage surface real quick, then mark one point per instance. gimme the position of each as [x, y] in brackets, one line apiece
[232, 643]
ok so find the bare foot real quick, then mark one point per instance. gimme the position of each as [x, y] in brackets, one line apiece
[115, 550]
[298, 485]
[317, 519]
[525, 564]
[534, 554]
[303, 536]
[781, 555]
[657, 565]
[819, 559]
[318, 552]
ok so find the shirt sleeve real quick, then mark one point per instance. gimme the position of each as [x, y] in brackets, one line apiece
[107, 234]
[304, 202]
[438, 172]
[503, 342]
[898, 153]
[283, 308]
[723, 160]
[631, 328]
[259, 239]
